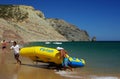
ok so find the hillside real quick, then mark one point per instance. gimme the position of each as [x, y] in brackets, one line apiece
[71, 32]
[24, 23]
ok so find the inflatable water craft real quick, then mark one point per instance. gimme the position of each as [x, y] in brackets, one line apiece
[76, 62]
[48, 55]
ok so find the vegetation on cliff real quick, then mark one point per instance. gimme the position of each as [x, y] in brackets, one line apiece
[20, 22]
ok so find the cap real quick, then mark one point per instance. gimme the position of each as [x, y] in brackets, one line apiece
[59, 48]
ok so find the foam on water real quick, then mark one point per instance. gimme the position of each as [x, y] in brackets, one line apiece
[68, 74]
[103, 77]
[74, 75]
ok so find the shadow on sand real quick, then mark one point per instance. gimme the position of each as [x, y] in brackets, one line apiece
[45, 66]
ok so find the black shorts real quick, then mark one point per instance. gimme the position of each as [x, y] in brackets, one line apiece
[16, 56]
[3, 47]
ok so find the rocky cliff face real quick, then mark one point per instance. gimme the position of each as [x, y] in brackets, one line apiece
[19, 22]
[71, 32]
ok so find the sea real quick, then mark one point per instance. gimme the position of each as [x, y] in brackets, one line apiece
[102, 58]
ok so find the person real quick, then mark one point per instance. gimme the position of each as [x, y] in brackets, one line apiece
[4, 46]
[16, 49]
[65, 60]
[4, 49]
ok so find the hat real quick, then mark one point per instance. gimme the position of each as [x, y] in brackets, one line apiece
[59, 48]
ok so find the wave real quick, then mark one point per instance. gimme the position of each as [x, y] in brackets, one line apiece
[103, 77]
[68, 74]
[74, 75]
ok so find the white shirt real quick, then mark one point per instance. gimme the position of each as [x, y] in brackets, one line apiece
[15, 48]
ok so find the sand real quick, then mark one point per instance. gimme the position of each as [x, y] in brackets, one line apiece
[9, 69]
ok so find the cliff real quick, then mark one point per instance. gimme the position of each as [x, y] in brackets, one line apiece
[24, 23]
[71, 32]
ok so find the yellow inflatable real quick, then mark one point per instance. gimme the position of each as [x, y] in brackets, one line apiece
[39, 53]
[48, 55]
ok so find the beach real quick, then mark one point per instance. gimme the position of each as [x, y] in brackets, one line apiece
[9, 69]
[29, 70]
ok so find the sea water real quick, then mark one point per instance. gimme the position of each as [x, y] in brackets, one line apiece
[102, 57]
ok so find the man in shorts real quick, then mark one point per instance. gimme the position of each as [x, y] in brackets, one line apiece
[16, 49]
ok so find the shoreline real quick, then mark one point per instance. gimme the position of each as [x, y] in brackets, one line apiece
[10, 70]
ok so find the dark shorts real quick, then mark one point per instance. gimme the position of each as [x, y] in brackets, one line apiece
[3, 47]
[65, 62]
[16, 56]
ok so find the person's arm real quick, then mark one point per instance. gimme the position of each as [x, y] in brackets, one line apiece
[66, 54]
[11, 47]
[61, 54]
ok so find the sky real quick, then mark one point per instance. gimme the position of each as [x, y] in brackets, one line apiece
[100, 18]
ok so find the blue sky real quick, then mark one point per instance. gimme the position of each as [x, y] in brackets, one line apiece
[100, 18]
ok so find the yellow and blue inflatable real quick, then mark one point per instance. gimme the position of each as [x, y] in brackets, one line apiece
[48, 55]
[76, 62]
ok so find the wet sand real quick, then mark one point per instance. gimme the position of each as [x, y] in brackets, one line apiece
[29, 70]
[9, 69]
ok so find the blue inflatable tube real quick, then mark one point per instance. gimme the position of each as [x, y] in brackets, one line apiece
[75, 62]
